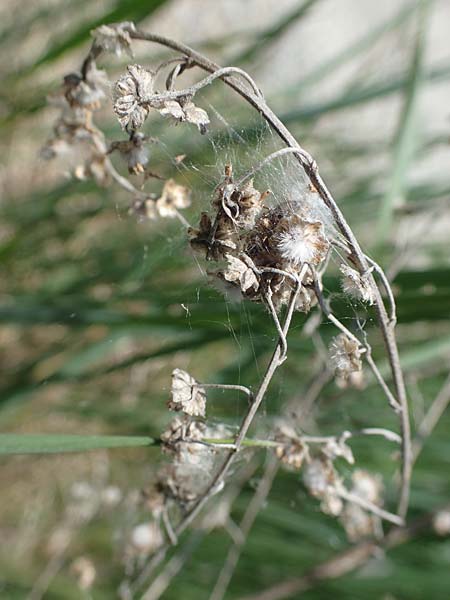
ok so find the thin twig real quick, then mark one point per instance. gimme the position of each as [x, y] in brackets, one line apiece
[160, 584]
[254, 507]
[387, 289]
[227, 386]
[431, 419]
[370, 507]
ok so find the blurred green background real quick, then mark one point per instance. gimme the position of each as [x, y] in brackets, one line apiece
[97, 308]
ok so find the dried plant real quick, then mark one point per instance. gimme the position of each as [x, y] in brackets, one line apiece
[264, 251]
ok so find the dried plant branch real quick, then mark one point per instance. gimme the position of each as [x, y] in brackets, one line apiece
[258, 281]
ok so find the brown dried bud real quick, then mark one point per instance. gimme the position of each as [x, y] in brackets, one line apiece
[114, 37]
[173, 197]
[357, 285]
[185, 112]
[239, 273]
[187, 395]
[345, 356]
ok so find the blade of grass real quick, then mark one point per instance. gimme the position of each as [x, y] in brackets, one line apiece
[406, 137]
[268, 36]
[355, 49]
[16, 443]
[133, 10]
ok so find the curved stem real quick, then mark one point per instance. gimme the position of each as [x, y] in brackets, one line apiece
[193, 89]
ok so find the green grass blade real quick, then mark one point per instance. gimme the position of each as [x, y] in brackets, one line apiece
[375, 91]
[16, 443]
[406, 138]
[133, 10]
[355, 49]
[272, 33]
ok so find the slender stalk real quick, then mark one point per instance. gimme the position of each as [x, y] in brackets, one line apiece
[254, 507]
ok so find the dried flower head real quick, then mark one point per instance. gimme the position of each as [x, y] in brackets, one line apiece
[187, 395]
[357, 522]
[345, 356]
[174, 196]
[86, 93]
[322, 481]
[441, 522]
[300, 241]
[250, 203]
[84, 571]
[192, 459]
[367, 486]
[145, 538]
[356, 285]
[114, 38]
[291, 450]
[134, 151]
[130, 94]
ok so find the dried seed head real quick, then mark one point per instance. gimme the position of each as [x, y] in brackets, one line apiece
[174, 196]
[292, 453]
[335, 448]
[291, 450]
[86, 93]
[145, 538]
[367, 486]
[356, 285]
[345, 356]
[250, 205]
[189, 474]
[114, 38]
[322, 481]
[130, 93]
[318, 476]
[84, 571]
[357, 522]
[187, 394]
[94, 168]
[299, 241]
[134, 151]
[441, 522]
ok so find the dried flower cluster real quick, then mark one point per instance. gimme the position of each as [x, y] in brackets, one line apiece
[264, 248]
[134, 97]
[187, 474]
[272, 252]
[75, 133]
